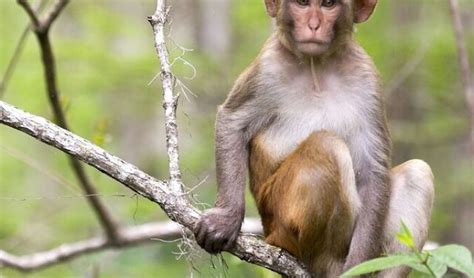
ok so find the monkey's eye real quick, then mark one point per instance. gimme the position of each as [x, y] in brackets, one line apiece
[328, 3]
[303, 2]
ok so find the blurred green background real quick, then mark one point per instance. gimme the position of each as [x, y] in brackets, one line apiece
[105, 59]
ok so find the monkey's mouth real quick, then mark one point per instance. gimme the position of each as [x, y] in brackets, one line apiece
[313, 41]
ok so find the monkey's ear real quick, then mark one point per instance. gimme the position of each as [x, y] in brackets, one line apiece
[363, 9]
[272, 7]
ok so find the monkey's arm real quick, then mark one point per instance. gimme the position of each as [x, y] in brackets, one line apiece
[236, 123]
[219, 227]
[374, 189]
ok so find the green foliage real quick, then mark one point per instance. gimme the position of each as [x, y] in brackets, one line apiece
[105, 59]
[380, 264]
[432, 264]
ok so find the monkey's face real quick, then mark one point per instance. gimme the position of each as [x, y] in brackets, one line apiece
[311, 25]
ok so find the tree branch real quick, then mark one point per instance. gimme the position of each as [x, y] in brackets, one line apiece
[464, 64]
[49, 68]
[130, 236]
[31, 13]
[53, 13]
[17, 53]
[248, 247]
[170, 101]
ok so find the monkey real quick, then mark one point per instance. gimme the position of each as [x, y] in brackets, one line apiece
[306, 120]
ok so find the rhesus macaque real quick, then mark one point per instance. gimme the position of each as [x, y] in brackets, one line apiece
[307, 120]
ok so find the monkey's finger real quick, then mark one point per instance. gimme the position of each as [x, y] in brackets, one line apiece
[213, 244]
[200, 234]
[228, 244]
[218, 245]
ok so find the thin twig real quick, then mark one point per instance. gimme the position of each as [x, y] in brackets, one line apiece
[53, 13]
[49, 68]
[14, 60]
[464, 64]
[170, 101]
[17, 52]
[248, 247]
[407, 69]
[31, 13]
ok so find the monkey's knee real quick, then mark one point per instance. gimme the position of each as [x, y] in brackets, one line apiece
[411, 202]
[416, 179]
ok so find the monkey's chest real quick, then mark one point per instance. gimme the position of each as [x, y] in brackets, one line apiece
[295, 122]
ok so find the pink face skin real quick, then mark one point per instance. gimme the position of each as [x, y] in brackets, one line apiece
[313, 24]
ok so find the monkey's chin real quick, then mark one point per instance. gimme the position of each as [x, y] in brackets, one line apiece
[312, 48]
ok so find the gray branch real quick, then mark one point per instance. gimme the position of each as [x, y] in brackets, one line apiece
[249, 247]
[464, 64]
[170, 101]
[131, 236]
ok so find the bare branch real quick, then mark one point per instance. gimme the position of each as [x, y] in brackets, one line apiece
[464, 63]
[13, 61]
[406, 70]
[248, 247]
[43, 25]
[17, 53]
[170, 101]
[49, 68]
[31, 13]
[131, 236]
[53, 13]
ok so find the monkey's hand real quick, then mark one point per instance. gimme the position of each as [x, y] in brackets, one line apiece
[218, 229]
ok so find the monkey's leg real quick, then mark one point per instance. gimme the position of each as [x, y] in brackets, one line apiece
[313, 203]
[411, 202]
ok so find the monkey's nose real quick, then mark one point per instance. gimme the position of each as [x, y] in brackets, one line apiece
[313, 25]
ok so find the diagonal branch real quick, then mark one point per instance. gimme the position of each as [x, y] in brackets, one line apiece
[31, 13]
[248, 247]
[49, 68]
[17, 53]
[53, 13]
[464, 63]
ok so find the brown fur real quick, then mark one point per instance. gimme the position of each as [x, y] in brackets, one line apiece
[317, 227]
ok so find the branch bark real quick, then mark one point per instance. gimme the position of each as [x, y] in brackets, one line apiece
[464, 64]
[41, 30]
[248, 247]
[170, 101]
[130, 236]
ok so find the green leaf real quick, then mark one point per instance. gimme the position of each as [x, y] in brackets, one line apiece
[455, 256]
[438, 268]
[419, 274]
[418, 267]
[380, 264]
[405, 236]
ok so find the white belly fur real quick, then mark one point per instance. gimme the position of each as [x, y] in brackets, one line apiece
[339, 108]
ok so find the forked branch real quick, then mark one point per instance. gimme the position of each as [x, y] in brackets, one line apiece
[41, 30]
[249, 247]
